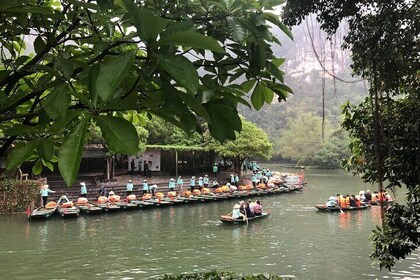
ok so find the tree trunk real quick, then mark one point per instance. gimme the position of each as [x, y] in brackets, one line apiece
[377, 134]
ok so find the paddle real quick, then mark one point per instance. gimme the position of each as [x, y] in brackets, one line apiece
[341, 211]
[246, 218]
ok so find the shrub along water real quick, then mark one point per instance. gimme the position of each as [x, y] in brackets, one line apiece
[16, 195]
[225, 275]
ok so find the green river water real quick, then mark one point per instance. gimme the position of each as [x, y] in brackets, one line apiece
[296, 241]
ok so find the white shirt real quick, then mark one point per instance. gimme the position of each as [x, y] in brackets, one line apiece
[236, 213]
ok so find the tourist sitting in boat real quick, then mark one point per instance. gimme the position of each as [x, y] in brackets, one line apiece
[332, 202]
[348, 200]
[257, 208]
[362, 196]
[358, 201]
[236, 213]
[248, 211]
[368, 196]
[242, 206]
[343, 201]
[352, 201]
[251, 205]
[375, 197]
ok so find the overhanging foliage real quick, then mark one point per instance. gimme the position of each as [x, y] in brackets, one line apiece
[70, 63]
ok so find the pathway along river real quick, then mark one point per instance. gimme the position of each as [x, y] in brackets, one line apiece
[295, 241]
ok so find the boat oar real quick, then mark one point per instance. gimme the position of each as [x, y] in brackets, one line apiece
[341, 211]
[246, 218]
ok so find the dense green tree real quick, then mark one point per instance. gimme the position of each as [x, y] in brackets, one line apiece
[383, 38]
[251, 142]
[161, 132]
[400, 148]
[66, 64]
[303, 137]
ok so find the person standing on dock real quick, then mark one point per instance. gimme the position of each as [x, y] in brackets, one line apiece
[83, 189]
[236, 180]
[129, 187]
[44, 194]
[206, 181]
[180, 184]
[192, 183]
[171, 185]
[254, 179]
[215, 169]
[132, 165]
[145, 187]
[200, 183]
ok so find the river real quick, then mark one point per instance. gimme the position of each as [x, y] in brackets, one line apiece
[296, 241]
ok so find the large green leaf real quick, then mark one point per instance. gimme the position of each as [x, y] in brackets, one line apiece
[46, 149]
[275, 19]
[57, 101]
[64, 66]
[37, 168]
[70, 153]
[181, 69]
[20, 153]
[119, 134]
[194, 40]
[275, 72]
[224, 119]
[258, 96]
[105, 78]
[39, 44]
[147, 24]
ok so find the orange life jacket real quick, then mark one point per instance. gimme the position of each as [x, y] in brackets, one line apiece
[343, 202]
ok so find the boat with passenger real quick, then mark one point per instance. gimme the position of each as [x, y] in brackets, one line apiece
[228, 219]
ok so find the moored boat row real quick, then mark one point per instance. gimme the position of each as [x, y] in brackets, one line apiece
[66, 208]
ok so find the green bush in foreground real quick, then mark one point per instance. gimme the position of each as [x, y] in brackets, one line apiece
[17, 195]
[224, 275]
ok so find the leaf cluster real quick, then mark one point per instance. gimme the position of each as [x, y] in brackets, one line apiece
[67, 65]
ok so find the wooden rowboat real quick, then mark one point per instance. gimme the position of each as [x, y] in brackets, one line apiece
[143, 204]
[376, 203]
[90, 209]
[227, 219]
[42, 213]
[66, 208]
[109, 207]
[127, 205]
[324, 208]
